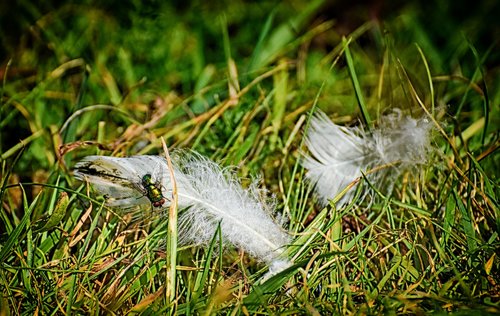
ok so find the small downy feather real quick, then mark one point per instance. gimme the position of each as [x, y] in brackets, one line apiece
[207, 194]
[340, 155]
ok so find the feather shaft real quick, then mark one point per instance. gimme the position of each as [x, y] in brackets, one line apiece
[239, 222]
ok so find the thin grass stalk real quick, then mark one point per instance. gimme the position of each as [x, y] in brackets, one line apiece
[21, 144]
[101, 132]
[356, 85]
[486, 100]
[171, 236]
[429, 77]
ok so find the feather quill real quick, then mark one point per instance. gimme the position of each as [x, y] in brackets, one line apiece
[340, 155]
[208, 194]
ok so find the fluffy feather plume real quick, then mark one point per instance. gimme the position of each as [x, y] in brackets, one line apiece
[208, 194]
[340, 155]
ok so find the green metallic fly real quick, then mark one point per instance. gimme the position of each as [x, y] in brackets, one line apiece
[152, 191]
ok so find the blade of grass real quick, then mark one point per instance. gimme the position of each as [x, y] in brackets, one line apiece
[486, 99]
[201, 283]
[13, 238]
[280, 80]
[20, 145]
[282, 35]
[466, 223]
[484, 94]
[4, 81]
[357, 87]
[260, 292]
[429, 77]
[397, 260]
[257, 52]
[233, 82]
[170, 291]
[74, 280]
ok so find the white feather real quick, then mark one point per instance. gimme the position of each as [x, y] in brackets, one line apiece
[208, 194]
[340, 155]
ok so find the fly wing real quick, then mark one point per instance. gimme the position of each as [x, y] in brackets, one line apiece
[145, 164]
[157, 167]
[116, 178]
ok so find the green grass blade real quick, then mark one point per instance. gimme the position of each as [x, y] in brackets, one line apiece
[357, 87]
[281, 35]
[257, 52]
[466, 223]
[13, 237]
[429, 78]
[207, 259]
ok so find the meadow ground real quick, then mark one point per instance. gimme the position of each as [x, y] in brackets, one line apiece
[237, 82]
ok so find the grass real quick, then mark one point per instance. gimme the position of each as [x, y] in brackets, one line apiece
[237, 82]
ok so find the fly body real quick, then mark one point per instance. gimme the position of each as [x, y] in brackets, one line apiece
[152, 191]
